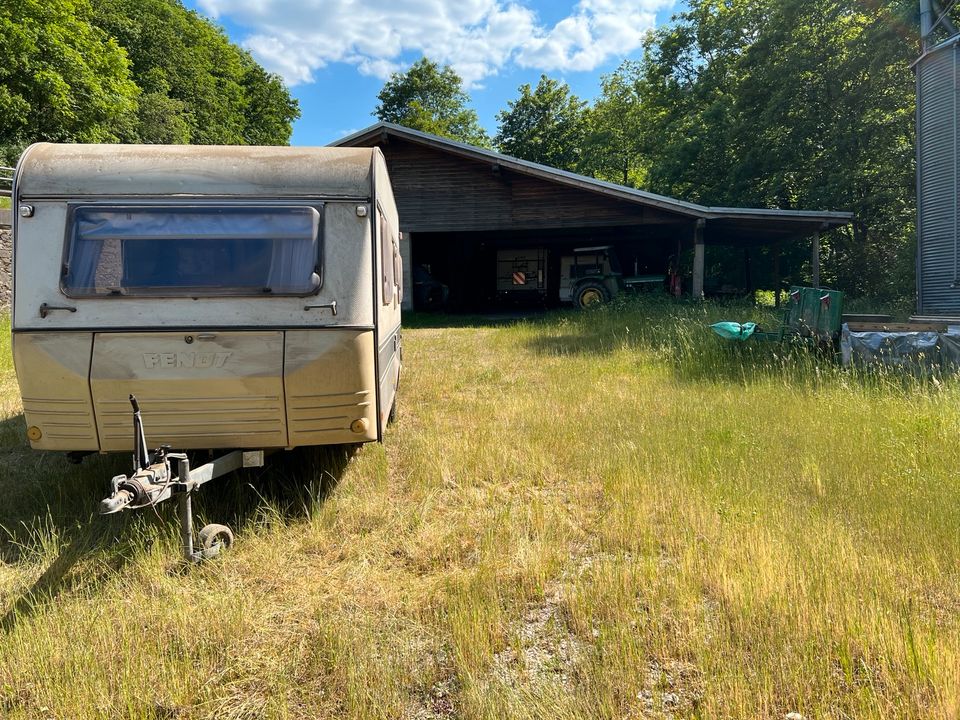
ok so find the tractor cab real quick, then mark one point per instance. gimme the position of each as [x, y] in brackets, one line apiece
[590, 276]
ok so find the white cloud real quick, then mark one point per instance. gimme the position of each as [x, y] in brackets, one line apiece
[477, 37]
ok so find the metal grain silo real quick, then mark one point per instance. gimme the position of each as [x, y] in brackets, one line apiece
[938, 253]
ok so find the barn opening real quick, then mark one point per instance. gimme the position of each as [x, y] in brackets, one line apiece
[466, 211]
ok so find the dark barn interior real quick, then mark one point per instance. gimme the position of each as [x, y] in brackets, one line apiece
[459, 205]
[466, 261]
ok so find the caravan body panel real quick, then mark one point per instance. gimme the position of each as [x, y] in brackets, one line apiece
[330, 385]
[52, 369]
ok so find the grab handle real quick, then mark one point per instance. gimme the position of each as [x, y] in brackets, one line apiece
[332, 306]
[45, 309]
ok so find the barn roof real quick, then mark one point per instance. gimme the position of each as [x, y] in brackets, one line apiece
[758, 224]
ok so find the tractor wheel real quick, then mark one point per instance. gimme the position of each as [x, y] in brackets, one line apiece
[215, 538]
[591, 293]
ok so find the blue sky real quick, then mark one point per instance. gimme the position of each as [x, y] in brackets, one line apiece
[336, 54]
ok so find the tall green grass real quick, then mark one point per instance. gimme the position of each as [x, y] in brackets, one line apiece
[608, 514]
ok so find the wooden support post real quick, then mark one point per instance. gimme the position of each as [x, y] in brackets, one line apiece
[815, 259]
[699, 259]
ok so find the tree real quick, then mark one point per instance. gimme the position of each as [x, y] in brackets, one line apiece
[791, 104]
[195, 79]
[268, 109]
[61, 78]
[162, 120]
[546, 125]
[613, 149]
[831, 84]
[430, 98]
[128, 71]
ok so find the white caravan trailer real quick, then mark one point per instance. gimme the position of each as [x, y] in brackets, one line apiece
[246, 298]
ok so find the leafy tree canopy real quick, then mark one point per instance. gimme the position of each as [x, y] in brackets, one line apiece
[614, 143]
[130, 71]
[431, 98]
[546, 125]
[61, 77]
[791, 104]
[198, 87]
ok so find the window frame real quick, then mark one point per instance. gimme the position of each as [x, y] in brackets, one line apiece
[193, 205]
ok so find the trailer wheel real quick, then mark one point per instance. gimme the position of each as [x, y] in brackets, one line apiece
[214, 538]
[392, 416]
[591, 293]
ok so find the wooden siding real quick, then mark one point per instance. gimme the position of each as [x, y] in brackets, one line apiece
[442, 192]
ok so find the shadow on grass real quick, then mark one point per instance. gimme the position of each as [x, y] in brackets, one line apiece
[50, 509]
[55, 579]
[795, 363]
[291, 484]
[13, 432]
[43, 493]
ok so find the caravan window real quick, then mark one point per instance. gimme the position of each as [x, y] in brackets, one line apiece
[386, 260]
[192, 251]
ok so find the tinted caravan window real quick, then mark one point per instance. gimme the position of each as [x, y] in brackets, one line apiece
[195, 251]
[386, 259]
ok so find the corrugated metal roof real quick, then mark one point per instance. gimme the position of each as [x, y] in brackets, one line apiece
[824, 219]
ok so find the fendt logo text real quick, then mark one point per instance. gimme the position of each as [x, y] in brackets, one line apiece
[185, 360]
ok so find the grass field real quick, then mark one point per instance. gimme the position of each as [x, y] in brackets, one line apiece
[608, 514]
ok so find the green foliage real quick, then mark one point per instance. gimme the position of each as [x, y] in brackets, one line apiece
[431, 98]
[268, 109]
[614, 145]
[546, 125]
[61, 77]
[198, 86]
[791, 104]
[163, 119]
[130, 71]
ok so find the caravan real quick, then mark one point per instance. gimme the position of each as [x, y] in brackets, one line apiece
[245, 298]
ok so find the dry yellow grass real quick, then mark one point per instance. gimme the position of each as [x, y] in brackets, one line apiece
[606, 515]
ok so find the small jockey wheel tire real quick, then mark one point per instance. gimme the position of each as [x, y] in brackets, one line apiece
[214, 539]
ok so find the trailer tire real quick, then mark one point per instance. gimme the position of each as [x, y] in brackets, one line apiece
[214, 539]
[591, 293]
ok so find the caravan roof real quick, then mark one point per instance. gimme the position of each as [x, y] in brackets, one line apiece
[71, 171]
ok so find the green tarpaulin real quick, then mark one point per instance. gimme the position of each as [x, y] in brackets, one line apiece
[734, 330]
